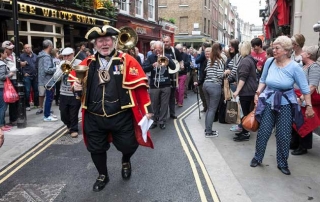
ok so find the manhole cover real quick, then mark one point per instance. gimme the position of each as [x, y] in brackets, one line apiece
[33, 193]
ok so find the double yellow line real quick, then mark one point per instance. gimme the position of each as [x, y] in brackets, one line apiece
[192, 162]
[33, 152]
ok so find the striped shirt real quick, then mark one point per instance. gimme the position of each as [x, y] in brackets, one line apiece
[313, 74]
[233, 64]
[214, 73]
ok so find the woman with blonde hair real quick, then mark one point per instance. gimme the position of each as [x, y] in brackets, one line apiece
[297, 44]
[246, 78]
[277, 102]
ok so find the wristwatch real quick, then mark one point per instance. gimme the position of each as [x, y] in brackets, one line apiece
[308, 105]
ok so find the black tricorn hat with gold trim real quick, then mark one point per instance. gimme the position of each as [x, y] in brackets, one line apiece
[106, 30]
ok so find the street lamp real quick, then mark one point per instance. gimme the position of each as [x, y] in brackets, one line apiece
[22, 118]
[224, 36]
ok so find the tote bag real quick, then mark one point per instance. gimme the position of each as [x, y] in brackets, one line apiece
[10, 94]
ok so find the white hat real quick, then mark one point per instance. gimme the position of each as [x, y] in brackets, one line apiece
[7, 44]
[67, 51]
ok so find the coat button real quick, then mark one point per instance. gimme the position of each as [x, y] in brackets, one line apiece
[127, 92]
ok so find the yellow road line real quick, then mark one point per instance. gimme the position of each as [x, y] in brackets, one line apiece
[31, 151]
[196, 153]
[31, 157]
[193, 166]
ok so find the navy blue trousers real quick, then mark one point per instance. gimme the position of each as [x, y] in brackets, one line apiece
[283, 123]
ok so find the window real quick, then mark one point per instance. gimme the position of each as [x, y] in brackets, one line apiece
[139, 8]
[209, 26]
[34, 32]
[124, 7]
[183, 25]
[151, 9]
[204, 25]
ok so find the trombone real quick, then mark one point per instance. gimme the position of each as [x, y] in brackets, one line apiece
[66, 68]
[163, 62]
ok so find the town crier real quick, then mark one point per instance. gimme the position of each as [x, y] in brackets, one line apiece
[114, 100]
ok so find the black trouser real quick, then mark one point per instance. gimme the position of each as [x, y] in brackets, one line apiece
[69, 111]
[13, 107]
[120, 127]
[247, 104]
[172, 102]
[57, 96]
[297, 141]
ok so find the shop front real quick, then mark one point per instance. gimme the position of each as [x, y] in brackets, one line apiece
[146, 30]
[39, 21]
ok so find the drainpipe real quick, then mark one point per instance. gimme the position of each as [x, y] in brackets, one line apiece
[297, 16]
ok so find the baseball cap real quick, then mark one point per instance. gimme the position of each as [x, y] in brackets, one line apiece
[67, 51]
[7, 44]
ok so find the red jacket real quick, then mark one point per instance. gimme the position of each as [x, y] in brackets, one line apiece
[136, 82]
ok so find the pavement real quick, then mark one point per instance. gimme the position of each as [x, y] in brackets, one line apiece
[19, 140]
[227, 163]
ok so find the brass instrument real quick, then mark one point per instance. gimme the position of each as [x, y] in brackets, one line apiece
[81, 72]
[163, 62]
[126, 40]
[66, 68]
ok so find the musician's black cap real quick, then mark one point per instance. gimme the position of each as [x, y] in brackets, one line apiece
[97, 32]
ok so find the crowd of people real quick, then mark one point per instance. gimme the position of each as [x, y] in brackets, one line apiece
[278, 80]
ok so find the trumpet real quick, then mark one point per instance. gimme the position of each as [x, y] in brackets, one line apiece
[66, 68]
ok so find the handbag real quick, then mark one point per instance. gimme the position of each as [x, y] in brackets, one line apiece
[232, 112]
[10, 94]
[226, 89]
[249, 122]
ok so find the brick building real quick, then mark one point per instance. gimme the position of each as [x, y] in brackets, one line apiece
[193, 19]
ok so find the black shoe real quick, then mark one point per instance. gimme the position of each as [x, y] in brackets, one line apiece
[254, 163]
[173, 116]
[285, 170]
[100, 183]
[241, 138]
[126, 170]
[242, 133]
[204, 110]
[299, 151]
[154, 125]
[212, 134]
[40, 111]
[163, 126]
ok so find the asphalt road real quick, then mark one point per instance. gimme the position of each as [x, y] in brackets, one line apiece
[64, 172]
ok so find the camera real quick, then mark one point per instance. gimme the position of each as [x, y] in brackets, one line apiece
[316, 27]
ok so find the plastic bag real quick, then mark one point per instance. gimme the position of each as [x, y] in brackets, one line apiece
[10, 94]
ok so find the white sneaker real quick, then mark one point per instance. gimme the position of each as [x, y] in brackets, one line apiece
[54, 116]
[49, 119]
[28, 108]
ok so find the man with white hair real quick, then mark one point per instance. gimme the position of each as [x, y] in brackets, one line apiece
[114, 100]
[69, 105]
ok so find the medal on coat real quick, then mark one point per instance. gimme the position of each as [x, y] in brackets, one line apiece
[104, 76]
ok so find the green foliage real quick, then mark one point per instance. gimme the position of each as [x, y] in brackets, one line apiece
[172, 20]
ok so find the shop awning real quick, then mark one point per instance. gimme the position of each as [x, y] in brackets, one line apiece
[272, 14]
[189, 38]
[283, 12]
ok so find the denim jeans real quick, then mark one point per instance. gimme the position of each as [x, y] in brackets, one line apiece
[48, 102]
[28, 83]
[3, 108]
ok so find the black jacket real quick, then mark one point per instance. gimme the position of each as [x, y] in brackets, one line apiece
[164, 76]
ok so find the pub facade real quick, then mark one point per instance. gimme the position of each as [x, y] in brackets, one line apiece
[63, 22]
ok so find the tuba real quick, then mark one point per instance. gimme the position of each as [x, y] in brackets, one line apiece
[126, 40]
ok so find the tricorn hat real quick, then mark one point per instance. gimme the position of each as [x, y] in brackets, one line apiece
[106, 30]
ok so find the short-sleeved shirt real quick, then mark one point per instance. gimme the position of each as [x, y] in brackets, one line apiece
[313, 74]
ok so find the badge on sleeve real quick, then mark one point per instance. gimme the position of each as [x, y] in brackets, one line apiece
[133, 71]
